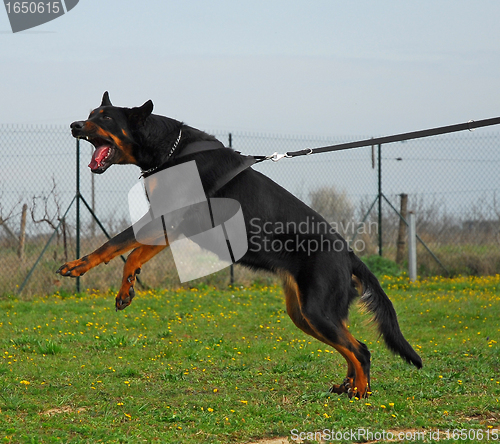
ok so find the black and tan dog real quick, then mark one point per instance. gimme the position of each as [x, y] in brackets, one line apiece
[319, 283]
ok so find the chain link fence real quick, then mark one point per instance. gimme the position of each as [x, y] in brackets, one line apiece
[451, 182]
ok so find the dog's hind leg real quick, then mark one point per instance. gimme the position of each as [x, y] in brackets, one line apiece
[320, 324]
[357, 382]
[292, 299]
[131, 269]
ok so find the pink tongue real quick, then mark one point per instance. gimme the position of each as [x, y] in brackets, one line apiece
[98, 156]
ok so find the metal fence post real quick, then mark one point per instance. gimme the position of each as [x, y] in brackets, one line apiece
[380, 199]
[231, 268]
[78, 208]
[412, 247]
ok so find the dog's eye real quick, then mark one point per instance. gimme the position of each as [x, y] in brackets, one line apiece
[107, 118]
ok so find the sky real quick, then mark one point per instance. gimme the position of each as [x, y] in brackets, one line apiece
[323, 67]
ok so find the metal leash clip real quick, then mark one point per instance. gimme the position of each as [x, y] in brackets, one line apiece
[275, 156]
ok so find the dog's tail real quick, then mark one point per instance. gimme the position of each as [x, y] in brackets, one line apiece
[385, 317]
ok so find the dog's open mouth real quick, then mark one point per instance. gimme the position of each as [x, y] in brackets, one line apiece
[102, 156]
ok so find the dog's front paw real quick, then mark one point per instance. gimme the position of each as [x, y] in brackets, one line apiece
[75, 268]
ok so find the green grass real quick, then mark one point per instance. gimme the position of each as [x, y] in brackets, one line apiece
[382, 266]
[206, 366]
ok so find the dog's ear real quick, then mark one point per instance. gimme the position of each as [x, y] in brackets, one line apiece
[105, 99]
[139, 114]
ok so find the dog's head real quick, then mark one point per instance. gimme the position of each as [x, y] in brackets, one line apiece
[111, 130]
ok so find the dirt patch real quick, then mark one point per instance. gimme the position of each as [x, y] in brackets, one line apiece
[273, 441]
[408, 434]
[64, 409]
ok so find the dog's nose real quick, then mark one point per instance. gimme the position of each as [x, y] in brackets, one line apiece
[77, 125]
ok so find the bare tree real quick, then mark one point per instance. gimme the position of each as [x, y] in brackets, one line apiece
[335, 207]
[50, 216]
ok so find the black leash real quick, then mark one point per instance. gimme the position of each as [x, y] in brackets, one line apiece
[248, 161]
[470, 125]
